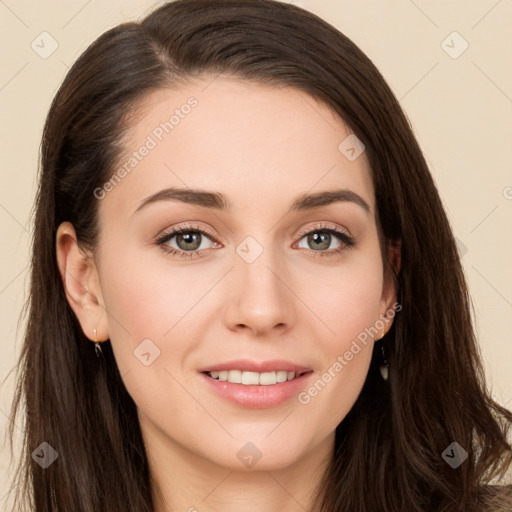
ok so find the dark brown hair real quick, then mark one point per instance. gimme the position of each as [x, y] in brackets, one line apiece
[388, 448]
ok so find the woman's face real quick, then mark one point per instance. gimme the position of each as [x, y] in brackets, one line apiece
[258, 281]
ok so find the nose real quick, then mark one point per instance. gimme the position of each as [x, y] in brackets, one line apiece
[260, 297]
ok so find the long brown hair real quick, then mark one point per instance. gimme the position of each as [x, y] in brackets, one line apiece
[388, 449]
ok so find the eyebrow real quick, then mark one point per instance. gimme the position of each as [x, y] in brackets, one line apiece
[219, 201]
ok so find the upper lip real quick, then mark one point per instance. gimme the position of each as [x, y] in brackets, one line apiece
[246, 365]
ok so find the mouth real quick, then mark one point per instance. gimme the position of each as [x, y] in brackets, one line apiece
[240, 384]
[247, 378]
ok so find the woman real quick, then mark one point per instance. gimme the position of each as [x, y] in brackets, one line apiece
[245, 291]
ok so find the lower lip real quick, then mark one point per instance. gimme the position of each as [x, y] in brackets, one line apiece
[258, 397]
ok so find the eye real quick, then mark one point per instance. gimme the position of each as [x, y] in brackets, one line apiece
[185, 241]
[320, 238]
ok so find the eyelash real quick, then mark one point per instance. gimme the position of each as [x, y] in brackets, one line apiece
[346, 241]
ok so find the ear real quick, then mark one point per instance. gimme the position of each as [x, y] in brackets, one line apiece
[81, 283]
[389, 302]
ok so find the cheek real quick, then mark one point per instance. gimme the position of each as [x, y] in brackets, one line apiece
[143, 303]
[147, 299]
[347, 304]
[352, 306]
[345, 298]
[346, 355]
[147, 307]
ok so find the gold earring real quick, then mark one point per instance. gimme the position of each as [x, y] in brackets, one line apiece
[97, 347]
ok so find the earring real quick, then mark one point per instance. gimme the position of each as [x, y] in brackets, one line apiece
[97, 347]
[384, 368]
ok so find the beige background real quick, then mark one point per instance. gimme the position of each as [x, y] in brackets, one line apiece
[460, 108]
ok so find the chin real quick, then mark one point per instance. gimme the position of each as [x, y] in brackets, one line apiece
[261, 454]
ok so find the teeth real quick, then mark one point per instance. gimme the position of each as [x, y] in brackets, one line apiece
[252, 378]
[281, 376]
[234, 376]
[265, 379]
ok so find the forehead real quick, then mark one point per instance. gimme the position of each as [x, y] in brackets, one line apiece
[259, 144]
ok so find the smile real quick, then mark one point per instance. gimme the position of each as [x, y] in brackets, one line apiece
[253, 378]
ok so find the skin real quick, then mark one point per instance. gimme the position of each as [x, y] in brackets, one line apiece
[261, 146]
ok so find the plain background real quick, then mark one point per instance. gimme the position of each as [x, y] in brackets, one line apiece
[459, 104]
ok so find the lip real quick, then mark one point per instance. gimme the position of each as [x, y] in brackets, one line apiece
[247, 365]
[258, 396]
